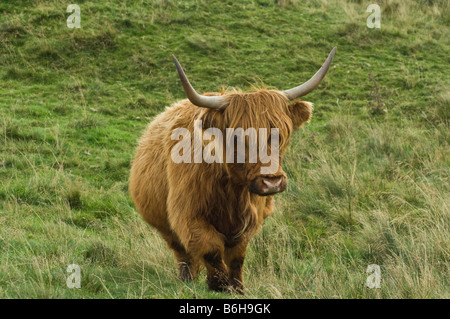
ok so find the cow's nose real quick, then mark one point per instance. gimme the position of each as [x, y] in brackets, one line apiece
[271, 184]
[268, 185]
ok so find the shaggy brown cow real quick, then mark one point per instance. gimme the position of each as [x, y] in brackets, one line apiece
[208, 213]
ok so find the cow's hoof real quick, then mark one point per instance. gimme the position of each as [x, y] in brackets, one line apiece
[238, 289]
[185, 273]
[219, 285]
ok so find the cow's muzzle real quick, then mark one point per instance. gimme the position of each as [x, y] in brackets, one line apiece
[268, 185]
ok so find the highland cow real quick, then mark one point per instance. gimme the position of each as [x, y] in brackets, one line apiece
[208, 212]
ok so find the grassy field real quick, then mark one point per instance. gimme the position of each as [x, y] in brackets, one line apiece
[368, 177]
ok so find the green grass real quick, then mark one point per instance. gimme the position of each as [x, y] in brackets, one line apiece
[368, 177]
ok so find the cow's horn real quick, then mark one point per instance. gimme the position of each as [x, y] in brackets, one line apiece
[313, 82]
[212, 102]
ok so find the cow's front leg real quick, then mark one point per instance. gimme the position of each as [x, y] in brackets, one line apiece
[234, 258]
[205, 244]
[216, 271]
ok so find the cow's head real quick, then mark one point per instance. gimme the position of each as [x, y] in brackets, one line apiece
[262, 109]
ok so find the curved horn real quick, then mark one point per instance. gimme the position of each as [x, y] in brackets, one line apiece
[212, 102]
[313, 82]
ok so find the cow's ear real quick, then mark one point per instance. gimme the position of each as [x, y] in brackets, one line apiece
[301, 112]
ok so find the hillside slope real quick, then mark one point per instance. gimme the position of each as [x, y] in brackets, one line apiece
[368, 177]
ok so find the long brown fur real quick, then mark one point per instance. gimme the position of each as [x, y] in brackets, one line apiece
[206, 212]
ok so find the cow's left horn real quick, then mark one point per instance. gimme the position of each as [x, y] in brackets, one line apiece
[313, 82]
[212, 102]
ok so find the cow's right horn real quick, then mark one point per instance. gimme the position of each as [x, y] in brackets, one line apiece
[313, 82]
[212, 102]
